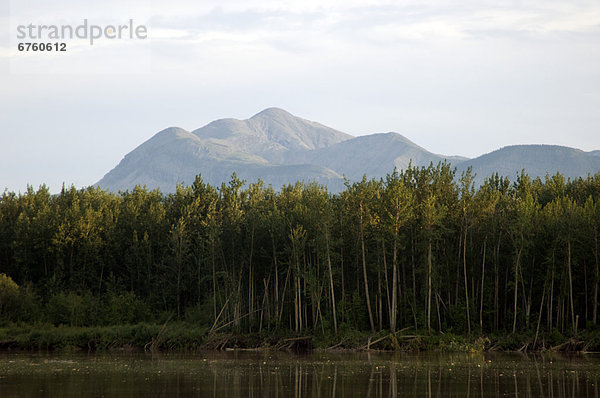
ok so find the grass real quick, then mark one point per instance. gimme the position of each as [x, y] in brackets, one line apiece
[181, 336]
[176, 337]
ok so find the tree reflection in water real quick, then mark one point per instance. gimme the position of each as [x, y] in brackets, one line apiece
[274, 375]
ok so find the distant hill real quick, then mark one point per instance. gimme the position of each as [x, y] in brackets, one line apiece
[594, 153]
[281, 148]
[374, 155]
[536, 160]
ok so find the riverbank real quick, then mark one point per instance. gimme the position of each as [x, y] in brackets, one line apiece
[186, 337]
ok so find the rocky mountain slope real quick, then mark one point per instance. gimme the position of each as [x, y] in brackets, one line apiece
[281, 148]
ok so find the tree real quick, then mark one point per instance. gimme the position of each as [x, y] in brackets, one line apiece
[520, 228]
[398, 202]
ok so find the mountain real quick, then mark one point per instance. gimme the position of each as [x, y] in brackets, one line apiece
[270, 134]
[594, 153]
[251, 148]
[373, 155]
[280, 148]
[536, 160]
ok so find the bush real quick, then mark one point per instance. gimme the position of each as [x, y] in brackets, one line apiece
[125, 308]
[29, 306]
[69, 309]
[17, 303]
[9, 294]
[200, 314]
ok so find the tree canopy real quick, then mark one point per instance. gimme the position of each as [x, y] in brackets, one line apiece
[421, 248]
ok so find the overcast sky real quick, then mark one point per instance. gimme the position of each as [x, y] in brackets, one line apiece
[456, 77]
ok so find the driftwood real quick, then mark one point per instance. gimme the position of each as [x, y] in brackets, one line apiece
[213, 329]
[298, 338]
[303, 343]
[524, 348]
[244, 349]
[333, 347]
[218, 343]
[156, 342]
[569, 345]
[393, 337]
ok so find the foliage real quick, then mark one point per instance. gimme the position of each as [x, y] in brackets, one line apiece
[421, 249]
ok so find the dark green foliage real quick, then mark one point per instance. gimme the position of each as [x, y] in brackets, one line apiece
[140, 336]
[497, 260]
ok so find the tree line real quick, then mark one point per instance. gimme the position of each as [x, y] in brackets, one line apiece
[421, 248]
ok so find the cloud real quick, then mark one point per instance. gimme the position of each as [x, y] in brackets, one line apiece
[459, 77]
[302, 26]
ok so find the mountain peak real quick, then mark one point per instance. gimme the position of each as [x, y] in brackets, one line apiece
[270, 133]
[281, 148]
[273, 112]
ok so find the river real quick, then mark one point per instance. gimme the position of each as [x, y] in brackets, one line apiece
[275, 374]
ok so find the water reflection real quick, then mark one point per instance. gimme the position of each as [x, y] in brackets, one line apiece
[265, 374]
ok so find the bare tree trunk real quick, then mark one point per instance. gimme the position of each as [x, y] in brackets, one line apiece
[251, 282]
[571, 287]
[178, 289]
[429, 287]
[537, 329]
[394, 309]
[466, 284]
[402, 283]
[437, 305]
[238, 304]
[496, 285]
[265, 303]
[551, 296]
[460, 250]
[526, 296]
[214, 274]
[101, 274]
[364, 266]
[379, 301]
[179, 241]
[276, 276]
[287, 277]
[386, 282]
[585, 285]
[514, 327]
[482, 284]
[333, 310]
[296, 304]
[596, 276]
[342, 263]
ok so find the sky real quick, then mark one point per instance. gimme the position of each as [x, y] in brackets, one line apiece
[456, 77]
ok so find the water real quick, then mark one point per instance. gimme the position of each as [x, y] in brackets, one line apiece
[274, 374]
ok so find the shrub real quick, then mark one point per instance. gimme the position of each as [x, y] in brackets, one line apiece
[125, 308]
[9, 294]
[68, 309]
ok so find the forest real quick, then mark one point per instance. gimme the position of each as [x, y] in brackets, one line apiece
[422, 248]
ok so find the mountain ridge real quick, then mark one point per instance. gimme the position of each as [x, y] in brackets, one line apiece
[281, 148]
